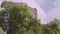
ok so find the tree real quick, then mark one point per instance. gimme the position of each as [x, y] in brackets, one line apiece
[52, 27]
[19, 19]
[3, 20]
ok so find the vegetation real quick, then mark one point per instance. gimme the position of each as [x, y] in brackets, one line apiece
[19, 19]
[53, 27]
[16, 19]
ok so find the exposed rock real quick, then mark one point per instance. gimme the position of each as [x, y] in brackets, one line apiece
[33, 11]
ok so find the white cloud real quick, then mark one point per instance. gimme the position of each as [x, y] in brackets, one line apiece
[55, 13]
[57, 3]
[41, 1]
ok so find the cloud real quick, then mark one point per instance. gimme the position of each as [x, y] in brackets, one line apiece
[57, 3]
[46, 4]
[41, 2]
[51, 14]
[55, 12]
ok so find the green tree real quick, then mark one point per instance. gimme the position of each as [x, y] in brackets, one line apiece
[3, 20]
[19, 19]
[52, 27]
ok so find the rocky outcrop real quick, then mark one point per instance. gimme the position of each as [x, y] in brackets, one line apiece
[33, 12]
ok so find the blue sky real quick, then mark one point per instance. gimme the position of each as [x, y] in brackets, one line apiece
[47, 10]
[46, 5]
[51, 8]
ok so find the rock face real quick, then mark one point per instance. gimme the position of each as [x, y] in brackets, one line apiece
[33, 12]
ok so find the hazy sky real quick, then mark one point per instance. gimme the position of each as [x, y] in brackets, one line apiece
[47, 9]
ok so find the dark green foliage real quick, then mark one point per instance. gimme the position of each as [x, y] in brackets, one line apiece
[16, 16]
[52, 27]
[19, 19]
[3, 20]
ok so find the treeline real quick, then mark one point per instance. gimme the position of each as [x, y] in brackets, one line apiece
[16, 19]
[52, 28]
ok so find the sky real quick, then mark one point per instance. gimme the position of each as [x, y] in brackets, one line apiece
[47, 10]
[51, 8]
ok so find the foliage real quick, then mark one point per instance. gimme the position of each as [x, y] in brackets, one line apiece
[19, 19]
[52, 27]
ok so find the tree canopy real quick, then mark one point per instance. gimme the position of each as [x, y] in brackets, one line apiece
[52, 27]
[19, 20]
